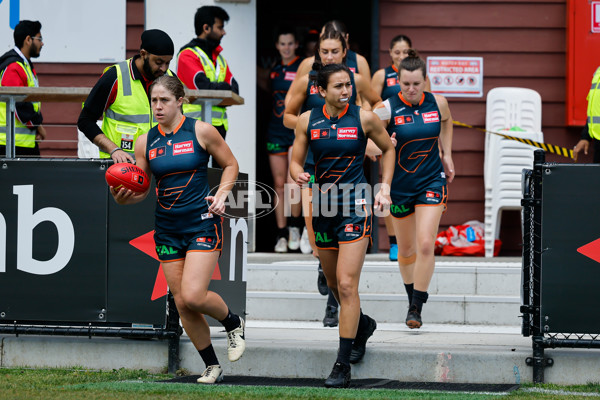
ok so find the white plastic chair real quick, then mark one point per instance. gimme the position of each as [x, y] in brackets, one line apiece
[505, 159]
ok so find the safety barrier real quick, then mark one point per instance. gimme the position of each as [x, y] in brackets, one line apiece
[561, 252]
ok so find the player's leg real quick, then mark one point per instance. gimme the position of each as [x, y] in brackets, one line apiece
[427, 223]
[279, 170]
[197, 273]
[194, 323]
[405, 232]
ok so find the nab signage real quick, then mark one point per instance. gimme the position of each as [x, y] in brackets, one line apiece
[69, 253]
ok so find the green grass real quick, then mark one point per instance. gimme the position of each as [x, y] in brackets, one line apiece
[68, 384]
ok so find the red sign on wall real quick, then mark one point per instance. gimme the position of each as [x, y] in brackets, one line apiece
[583, 56]
[596, 16]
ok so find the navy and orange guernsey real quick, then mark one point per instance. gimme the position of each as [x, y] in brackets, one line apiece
[179, 165]
[352, 61]
[281, 78]
[417, 128]
[338, 145]
[314, 100]
[391, 87]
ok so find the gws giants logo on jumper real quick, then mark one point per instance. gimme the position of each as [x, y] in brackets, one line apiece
[183, 148]
[403, 119]
[347, 133]
[392, 81]
[158, 152]
[319, 134]
[314, 90]
[430, 117]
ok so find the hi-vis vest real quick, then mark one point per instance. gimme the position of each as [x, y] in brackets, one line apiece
[214, 74]
[130, 115]
[593, 110]
[24, 137]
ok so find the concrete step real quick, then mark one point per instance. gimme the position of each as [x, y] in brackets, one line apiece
[388, 308]
[383, 277]
[434, 353]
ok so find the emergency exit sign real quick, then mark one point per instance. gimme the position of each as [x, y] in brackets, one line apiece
[596, 16]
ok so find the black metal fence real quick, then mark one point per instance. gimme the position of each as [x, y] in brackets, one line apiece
[560, 291]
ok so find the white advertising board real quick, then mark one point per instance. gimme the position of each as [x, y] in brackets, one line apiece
[456, 76]
[74, 31]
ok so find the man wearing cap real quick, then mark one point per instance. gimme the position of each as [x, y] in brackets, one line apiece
[122, 99]
[200, 64]
[16, 69]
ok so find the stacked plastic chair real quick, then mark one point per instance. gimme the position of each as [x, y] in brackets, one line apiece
[515, 112]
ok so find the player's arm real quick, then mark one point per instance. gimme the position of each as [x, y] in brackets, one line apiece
[125, 196]
[305, 67]
[299, 151]
[363, 67]
[377, 82]
[375, 131]
[210, 140]
[295, 97]
[363, 87]
[446, 136]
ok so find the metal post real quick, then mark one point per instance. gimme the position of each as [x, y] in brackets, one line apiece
[173, 325]
[10, 127]
[538, 333]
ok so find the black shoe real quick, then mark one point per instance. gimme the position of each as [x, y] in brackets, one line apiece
[413, 318]
[322, 282]
[339, 376]
[360, 342]
[331, 317]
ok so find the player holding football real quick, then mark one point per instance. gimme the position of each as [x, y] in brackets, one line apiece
[187, 222]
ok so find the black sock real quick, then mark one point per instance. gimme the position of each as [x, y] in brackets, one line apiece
[344, 351]
[409, 291]
[392, 239]
[282, 233]
[231, 321]
[331, 301]
[208, 356]
[419, 298]
[296, 222]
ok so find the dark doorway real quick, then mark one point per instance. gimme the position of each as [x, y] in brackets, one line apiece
[303, 17]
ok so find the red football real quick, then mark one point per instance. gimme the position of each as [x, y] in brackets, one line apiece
[128, 176]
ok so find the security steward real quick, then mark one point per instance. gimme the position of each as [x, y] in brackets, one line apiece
[592, 129]
[16, 69]
[200, 64]
[121, 98]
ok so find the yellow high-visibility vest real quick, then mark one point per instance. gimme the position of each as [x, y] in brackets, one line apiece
[593, 110]
[24, 137]
[214, 73]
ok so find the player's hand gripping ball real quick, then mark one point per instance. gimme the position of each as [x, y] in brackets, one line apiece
[128, 176]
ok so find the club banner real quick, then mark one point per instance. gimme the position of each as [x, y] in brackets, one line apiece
[69, 253]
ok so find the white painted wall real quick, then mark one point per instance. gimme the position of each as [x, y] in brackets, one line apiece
[239, 49]
[73, 30]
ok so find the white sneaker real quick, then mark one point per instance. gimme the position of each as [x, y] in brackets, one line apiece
[212, 374]
[281, 246]
[305, 243]
[294, 241]
[236, 342]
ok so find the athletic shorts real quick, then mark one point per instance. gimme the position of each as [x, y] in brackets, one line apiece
[171, 246]
[279, 142]
[403, 206]
[331, 231]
